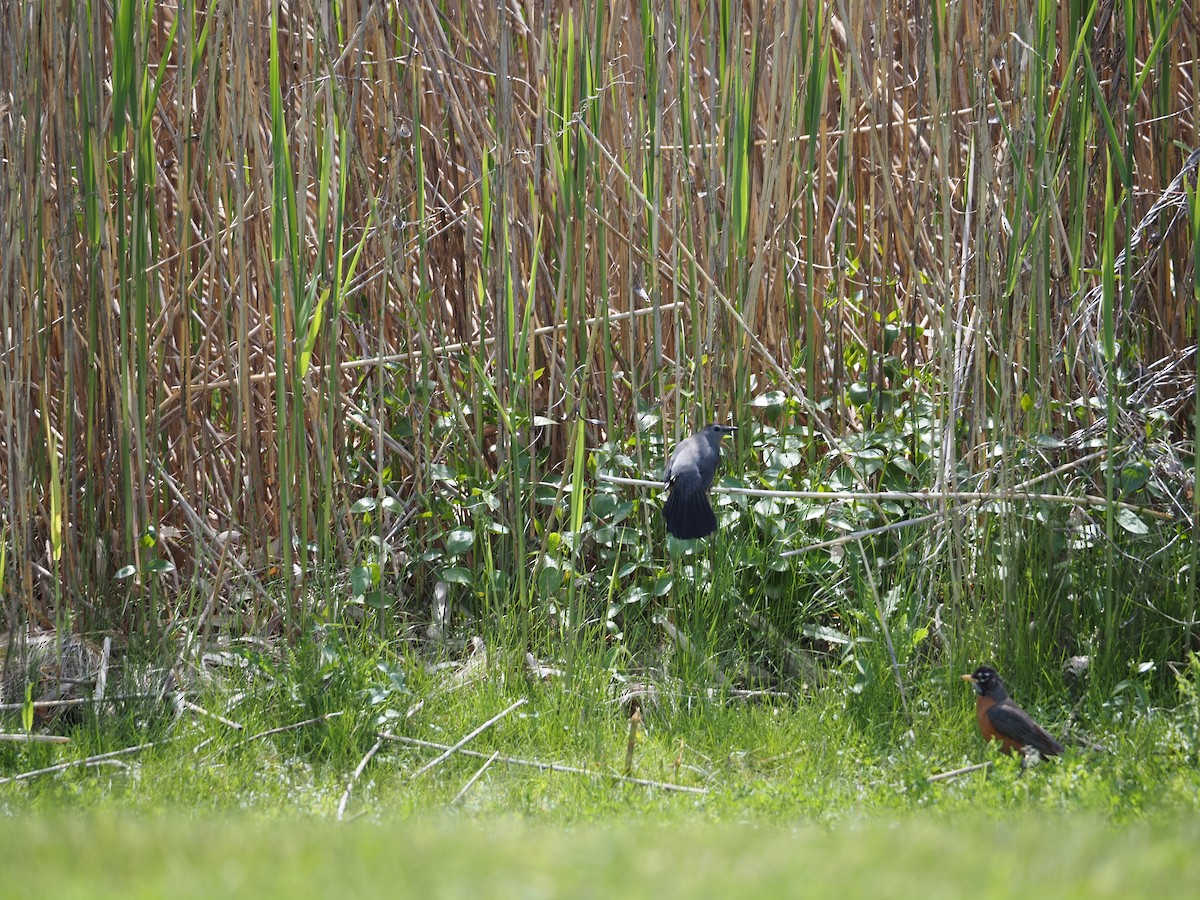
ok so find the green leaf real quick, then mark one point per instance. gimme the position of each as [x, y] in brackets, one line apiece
[637, 596]
[550, 579]
[1048, 441]
[376, 599]
[605, 535]
[362, 579]
[124, 572]
[602, 505]
[891, 334]
[364, 505]
[457, 575]
[859, 393]
[1129, 520]
[460, 540]
[823, 633]
[770, 400]
[1134, 477]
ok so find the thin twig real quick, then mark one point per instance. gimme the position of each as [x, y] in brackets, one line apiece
[91, 760]
[183, 703]
[358, 770]
[204, 528]
[549, 767]
[174, 394]
[954, 773]
[450, 751]
[295, 725]
[35, 738]
[74, 701]
[866, 532]
[102, 671]
[270, 731]
[474, 778]
[1085, 500]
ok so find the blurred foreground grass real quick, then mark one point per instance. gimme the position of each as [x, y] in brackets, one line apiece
[131, 857]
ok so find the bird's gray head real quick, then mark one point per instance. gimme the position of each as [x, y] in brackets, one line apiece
[714, 432]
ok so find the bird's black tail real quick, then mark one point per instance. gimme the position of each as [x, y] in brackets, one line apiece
[688, 514]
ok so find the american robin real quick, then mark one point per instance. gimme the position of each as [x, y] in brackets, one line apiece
[1002, 720]
[689, 475]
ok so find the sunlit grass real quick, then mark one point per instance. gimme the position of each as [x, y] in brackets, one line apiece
[827, 755]
[99, 856]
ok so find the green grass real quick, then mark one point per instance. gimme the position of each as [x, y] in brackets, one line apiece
[824, 756]
[102, 856]
[828, 790]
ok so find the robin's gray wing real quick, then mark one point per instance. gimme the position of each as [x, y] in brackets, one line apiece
[1014, 723]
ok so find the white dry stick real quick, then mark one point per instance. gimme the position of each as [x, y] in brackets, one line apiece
[182, 703]
[548, 767]
[102, 672]
[281, 729]
[450, 751]
[341, 810]
[91, 760]
[35, 738]
[74, 701]
[474, 778]
[954, 773]
[1085, 500]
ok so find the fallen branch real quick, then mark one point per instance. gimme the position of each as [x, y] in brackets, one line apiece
[954, 773]
[548, 767]
[474, 778]
[35, 738]
[182, 704]
[358, 770]
[73, 701]
[313, 721]
[1085, 500]
[197, 388]
[102, 671]
[270, 731]
[450, 751]
[91, 760]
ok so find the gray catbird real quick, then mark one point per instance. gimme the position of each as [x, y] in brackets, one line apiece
[689, 475]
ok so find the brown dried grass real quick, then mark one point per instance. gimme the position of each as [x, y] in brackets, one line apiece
[141, 376]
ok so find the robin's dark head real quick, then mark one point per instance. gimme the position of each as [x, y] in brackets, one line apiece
[720, 430]
[987, 683]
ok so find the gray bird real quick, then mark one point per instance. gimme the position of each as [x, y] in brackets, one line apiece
[689, 475]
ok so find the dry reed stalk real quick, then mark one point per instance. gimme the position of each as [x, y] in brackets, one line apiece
[162, 272]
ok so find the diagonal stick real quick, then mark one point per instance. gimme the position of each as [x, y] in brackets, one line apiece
[450, 751]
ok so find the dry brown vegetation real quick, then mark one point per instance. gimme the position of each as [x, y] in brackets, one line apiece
[235, 301]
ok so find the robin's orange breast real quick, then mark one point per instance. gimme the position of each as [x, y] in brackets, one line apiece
[988, 730]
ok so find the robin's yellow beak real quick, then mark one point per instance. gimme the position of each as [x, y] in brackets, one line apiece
[970, 678]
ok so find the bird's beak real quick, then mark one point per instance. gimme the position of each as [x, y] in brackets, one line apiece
[970, 678]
